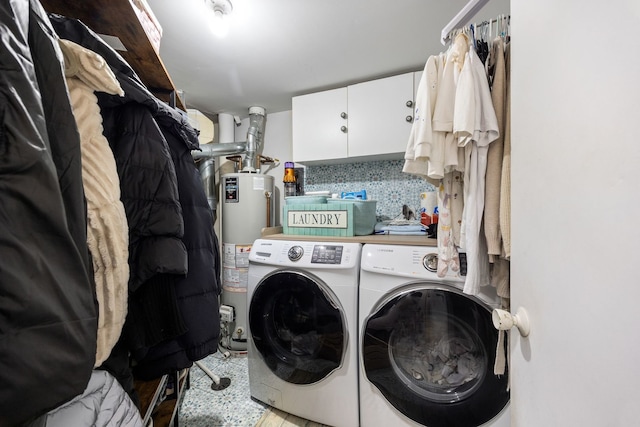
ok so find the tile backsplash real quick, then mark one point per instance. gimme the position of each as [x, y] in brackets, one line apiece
[384, 181]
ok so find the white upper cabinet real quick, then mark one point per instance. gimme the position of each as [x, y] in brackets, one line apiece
[320, 125]
[380, 116]
[370, 120]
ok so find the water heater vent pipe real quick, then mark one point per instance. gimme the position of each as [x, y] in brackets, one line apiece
[255, 136]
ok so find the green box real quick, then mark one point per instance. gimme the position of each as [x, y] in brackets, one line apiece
[364, 214]
[319, 219]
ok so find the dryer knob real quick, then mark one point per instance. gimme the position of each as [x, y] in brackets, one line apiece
[295, 253]
[430, 262]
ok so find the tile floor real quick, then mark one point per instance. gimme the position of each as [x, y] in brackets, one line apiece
[231, 407]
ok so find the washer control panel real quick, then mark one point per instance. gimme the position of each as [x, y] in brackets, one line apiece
[306, 254]
[326, 254]
[295, 253]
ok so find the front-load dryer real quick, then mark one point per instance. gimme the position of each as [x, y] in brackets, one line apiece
[302, 349]
[427, 350]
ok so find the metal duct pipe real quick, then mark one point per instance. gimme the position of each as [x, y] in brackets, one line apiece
[216, 150]
[255, 135]
[207, 170]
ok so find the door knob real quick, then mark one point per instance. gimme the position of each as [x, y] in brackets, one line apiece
[503, 320]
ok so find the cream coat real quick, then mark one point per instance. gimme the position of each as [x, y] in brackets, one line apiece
[107, 229]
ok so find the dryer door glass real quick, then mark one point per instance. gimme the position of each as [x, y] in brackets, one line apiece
[297, 326]
[431, 353]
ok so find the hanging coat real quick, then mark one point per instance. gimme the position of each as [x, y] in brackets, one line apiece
[196, 292]
[48, 311]
[107, 229]
[103, 403]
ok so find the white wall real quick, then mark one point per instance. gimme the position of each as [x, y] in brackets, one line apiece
[575, 209]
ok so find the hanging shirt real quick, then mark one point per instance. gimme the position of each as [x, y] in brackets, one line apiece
[421, 141]
[444, 156]
[474, 105]
[505, 182]
[495, 64]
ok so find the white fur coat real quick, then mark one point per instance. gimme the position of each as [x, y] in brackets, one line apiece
[107, 229]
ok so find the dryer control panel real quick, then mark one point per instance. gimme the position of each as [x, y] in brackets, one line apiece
[326, 254]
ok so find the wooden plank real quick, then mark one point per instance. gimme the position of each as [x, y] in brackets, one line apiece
[276, 418]
[146, 391]
[118, 18]
[271, 418]
[384, 239]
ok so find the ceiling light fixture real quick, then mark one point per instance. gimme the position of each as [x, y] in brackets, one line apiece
[219, 19]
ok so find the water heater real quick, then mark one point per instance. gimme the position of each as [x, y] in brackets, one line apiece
[246, 209]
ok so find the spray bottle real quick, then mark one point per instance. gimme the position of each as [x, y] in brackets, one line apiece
[289, 180]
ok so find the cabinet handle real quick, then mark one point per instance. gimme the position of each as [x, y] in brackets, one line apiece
[409, 119]
[343, 115]
[343, 129]
[409, 104]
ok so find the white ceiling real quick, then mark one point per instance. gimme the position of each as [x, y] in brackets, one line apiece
[277, 49]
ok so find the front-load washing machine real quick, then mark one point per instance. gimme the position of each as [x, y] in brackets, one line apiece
[302, 349]
[427, 350]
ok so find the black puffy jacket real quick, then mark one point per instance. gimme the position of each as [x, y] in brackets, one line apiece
[48, 311]
[194, 327]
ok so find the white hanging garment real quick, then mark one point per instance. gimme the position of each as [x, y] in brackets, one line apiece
[420, 142]
[474, 105]
[444, 156]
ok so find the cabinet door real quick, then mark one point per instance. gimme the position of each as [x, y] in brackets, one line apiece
[416, 82]
[380, 116]
[319, 128]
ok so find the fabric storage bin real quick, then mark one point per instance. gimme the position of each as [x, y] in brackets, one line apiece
[319, 219]
[364, 214]
[305, 200]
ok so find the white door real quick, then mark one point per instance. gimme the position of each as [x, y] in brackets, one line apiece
[576, 212]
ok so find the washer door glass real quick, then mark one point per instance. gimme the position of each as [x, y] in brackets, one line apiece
[430, 352]
[297, 326]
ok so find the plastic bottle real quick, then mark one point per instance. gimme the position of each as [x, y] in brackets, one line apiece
[289, 180]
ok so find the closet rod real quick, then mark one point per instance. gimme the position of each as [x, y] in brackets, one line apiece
[484, 23]
[462, 18]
